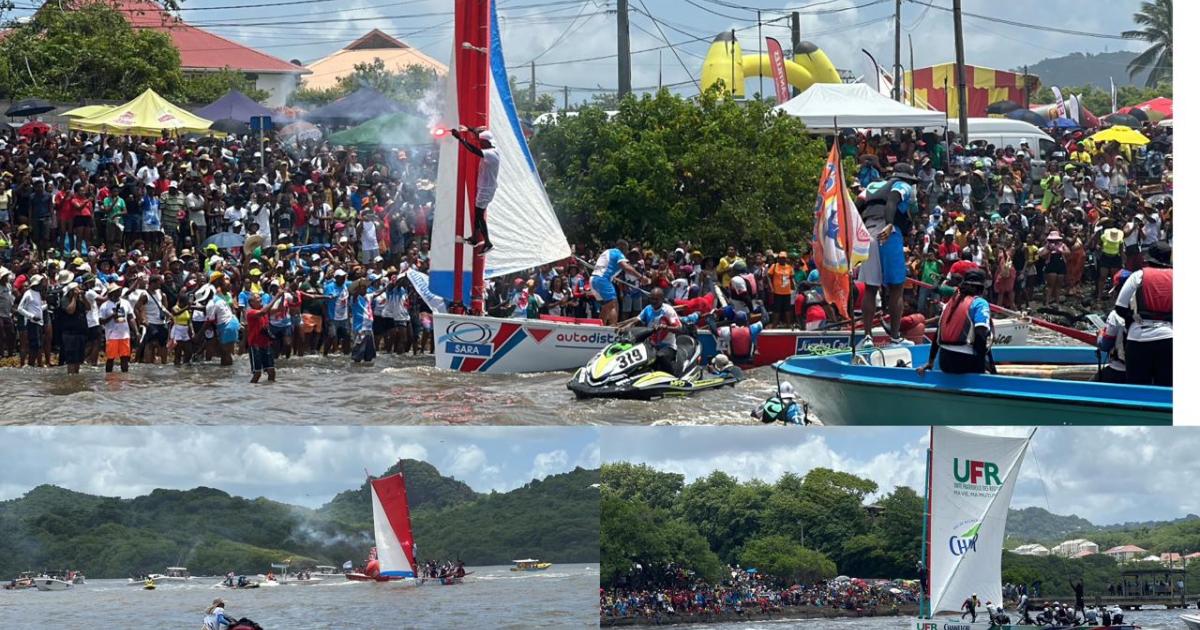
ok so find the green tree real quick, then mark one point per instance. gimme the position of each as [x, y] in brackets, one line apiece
[635, 534]
[527, 106]
[410, 85]
[86, 52]
[639, 482]
[666, 168]
[782, 557]
[1157, 26]
[206, 87]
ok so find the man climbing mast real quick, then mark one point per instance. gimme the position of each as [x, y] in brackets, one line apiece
[485, 186]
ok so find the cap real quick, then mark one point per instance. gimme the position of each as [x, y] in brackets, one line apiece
[340, 273]
[486, 134]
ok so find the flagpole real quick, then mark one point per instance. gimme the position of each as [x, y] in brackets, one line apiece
[845, 229]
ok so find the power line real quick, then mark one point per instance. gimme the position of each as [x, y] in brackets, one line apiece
[1036, 27]
[673, 51]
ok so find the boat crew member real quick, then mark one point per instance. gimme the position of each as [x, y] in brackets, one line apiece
[666, 324]
[215, 617]
[969, 606]
[610, 262]
[886, 217]
[965, 330]
[485, 184]
[1112, 338]
[1145, 303]
[781, 407]
[1111, 239]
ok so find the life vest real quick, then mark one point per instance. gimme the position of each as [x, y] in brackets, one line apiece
[741, 343]
[1110, 241]
[751, 284]
[955, 328]
[1153, 300]
[875, 209]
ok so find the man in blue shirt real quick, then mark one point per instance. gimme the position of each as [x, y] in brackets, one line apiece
[337, 313]
[608, 264]
[886, 216]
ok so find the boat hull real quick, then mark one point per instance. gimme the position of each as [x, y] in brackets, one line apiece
[360, 577]
[50, 584]
[1191, 621]
[841, 393]
[469, 343]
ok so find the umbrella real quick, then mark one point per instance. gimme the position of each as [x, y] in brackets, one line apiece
[1121, 134]
[1002, 107]
[1064, 123]
[299, 131]
[225, 240]
[1170, 122]
[1122, 119]
[1138, 114]
[230, 126]
[1025, 115]
[391, 130]
[34, 127]
[29, 107]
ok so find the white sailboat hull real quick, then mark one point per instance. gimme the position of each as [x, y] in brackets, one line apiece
[1191, 621]
[470, 343]
[51, 584]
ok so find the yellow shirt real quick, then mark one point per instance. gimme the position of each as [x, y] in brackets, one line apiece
[184, 318]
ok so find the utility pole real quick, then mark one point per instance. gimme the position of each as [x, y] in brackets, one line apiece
[532, 84]
[896, 91]
[566, 96]
[758, 18]
[795, 43]
[1025, 85]
[961, 73]
[624, 85]
[912, 72]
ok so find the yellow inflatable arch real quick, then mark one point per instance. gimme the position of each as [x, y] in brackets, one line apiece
[725, 63]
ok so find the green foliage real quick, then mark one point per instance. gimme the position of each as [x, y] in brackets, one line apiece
[639, 482]
[665, 168]
[1099, 101]
[211, 532]
[1038, 524]
[206, 87]
[86, 52]
[634, 533]
[527, 106]
[409, 85]
[1155, 18]
[782, 557]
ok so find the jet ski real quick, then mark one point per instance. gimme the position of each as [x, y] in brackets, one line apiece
[625, 369]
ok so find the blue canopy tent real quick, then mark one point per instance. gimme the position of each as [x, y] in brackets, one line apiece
[362, 105]
[236, 106]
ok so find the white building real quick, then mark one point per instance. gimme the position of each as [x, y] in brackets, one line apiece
[1031, 550]
[1075, 548]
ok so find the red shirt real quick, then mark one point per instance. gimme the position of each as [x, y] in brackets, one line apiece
[949, 253]
[256, 328]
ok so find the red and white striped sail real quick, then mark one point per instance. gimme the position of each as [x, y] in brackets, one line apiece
[393, 529]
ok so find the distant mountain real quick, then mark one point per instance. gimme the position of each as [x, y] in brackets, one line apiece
[1038, 524]
[1078, 69]
[211, 531]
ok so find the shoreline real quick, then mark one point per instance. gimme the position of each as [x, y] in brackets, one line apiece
[788, 612]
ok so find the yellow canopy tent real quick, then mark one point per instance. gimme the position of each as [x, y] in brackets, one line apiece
[1121, 134]
[87, 111]
[147, 115]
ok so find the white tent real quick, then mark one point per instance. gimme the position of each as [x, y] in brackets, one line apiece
[854, 105]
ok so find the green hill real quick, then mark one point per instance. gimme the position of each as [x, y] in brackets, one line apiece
[1038, 524]
[211, 531]
[1087, 69]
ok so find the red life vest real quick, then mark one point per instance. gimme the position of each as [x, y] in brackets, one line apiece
[751, 286]
[1153, 300]
[955, 328]
[740, 344]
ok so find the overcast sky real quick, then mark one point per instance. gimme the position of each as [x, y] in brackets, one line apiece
[1106, 475]
[562, 30]
[298, 465]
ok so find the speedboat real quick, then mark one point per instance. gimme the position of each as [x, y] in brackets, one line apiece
[45, 583]
[22, 581]
[1035, 385]
[530, 564]
[625, 369]
[324, 571]
[1191, 621]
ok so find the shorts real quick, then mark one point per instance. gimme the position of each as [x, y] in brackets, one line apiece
[155, 333]
[280, 331]
[603, 289]
[181, 332]
[295, 319]
[95, 334]
[82, 222]
[781, 303]
[117, 349]
[73, 348]
[364, 348]
[382, 325]
[310, 324]
[261, 359]
[885, 264]
[1109, 262]
[33, 331]
[229, 332]
[338, 329]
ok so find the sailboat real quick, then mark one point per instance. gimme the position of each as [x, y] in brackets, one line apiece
[392, 558]
[522, 223]
[969, 484]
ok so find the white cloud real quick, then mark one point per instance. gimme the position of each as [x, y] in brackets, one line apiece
[546, 464]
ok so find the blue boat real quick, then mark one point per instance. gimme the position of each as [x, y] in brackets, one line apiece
[838, 391]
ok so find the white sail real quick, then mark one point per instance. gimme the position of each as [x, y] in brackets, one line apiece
[521, 222]
[971, 486]
[389, 543]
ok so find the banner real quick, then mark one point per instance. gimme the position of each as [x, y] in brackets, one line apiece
[971, 486]
[778, 70]
[1074, 108]
[1058, 103]
[420, 282]
[1112, 94]
[835, 210]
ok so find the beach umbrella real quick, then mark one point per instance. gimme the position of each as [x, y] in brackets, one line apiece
[1122, 119]
[230, 126]
[1138, 114]
[391, 130]
[299, 131]
[1002, 107]
[1064, 123]
[1121, 134]
[29, 107]
[1027, 116]
[225, 240]
[33, 127]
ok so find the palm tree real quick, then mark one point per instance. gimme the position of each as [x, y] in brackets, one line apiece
[1155, 19]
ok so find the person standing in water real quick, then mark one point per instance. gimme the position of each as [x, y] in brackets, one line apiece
[485, 187]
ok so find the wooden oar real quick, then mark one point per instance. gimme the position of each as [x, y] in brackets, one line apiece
[1073, 333]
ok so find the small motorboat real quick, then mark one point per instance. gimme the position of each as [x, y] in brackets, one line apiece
[1191, 621]
[530, 564]
[22, 581]
[44, 583]
[1035, 385]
